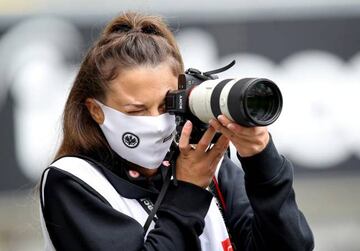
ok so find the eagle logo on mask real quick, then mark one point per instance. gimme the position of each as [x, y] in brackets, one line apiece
[130, 140]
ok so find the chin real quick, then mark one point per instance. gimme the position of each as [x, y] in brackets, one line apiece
[148, 172]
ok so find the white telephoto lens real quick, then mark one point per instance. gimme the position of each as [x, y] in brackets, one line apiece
[199, 100]
[224, 99]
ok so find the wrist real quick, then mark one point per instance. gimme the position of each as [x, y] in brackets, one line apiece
[202, 183]
[264, 165]
[187, 198]
[255, 148]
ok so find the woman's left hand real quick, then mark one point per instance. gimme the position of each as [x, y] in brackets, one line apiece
[248, 141]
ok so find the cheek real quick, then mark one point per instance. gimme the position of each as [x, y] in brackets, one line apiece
[174, 84]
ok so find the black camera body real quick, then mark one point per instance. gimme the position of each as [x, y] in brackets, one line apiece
[202, 96]
[176, 102]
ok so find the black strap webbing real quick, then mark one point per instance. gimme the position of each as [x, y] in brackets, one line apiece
[158, 200]
[147, 205]
[170, 171]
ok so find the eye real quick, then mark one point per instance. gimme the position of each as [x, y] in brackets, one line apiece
[137, 112]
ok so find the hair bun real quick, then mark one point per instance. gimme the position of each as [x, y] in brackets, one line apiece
[150, 29]
[141, 34]
[120, 28]
[136, 23]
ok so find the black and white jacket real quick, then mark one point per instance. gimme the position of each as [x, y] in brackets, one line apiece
[91, 204]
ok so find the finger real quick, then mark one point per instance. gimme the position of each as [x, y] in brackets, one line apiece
[247, 131]
[241, 138]
[214, 163]
[236, 128]
[220, 128]
[216, 158]
[185, 137]
[224, 120]
[215, 124]
[220, 147]
[222, 143]
[205, 140]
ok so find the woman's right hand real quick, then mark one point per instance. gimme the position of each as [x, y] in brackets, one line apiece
[197, 165]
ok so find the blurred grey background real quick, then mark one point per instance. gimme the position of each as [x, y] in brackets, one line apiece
[311, 49]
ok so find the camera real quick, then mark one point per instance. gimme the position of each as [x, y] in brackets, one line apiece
[202, 96]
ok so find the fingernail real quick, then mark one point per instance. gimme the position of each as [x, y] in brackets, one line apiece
[166, 163]
[231, 126]
[187, 123]
[134, 174]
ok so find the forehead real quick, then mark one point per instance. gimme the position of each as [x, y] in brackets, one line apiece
[143, 83]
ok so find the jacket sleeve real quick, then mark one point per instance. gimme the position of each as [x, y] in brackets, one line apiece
[261, 212]
[78, 218]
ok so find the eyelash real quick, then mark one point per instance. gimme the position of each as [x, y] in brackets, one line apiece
[162, 107]
[135, 112]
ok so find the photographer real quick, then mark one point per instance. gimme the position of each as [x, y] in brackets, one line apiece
[114, 170]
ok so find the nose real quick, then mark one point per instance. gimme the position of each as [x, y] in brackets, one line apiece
[155, 112]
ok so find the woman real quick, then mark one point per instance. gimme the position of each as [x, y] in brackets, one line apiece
[114, 162]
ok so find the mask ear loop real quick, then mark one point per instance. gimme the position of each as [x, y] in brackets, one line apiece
[99, 103]
[174, 151]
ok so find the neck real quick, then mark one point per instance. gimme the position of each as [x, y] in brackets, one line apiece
[142, 170]
[146, 171]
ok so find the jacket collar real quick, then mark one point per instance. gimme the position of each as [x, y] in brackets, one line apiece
[115, 169]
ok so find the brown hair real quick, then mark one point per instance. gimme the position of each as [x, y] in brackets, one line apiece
[128, 41]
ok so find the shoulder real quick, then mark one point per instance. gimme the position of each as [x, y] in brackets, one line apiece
[69, 175]
[73, 212]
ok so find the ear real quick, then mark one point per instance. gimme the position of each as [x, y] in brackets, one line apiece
[95, 110]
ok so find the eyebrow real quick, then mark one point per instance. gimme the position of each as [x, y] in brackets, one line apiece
[135, 105]
[143, 105]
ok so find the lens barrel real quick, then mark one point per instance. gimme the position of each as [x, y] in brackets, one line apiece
[247, 101]
[254, 102]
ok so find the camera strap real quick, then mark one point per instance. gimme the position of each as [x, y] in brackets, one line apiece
[156, 206]
[222, 69]
[170, 171]
[147, 205]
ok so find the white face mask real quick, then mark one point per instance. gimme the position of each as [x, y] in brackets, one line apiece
[142, 140]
